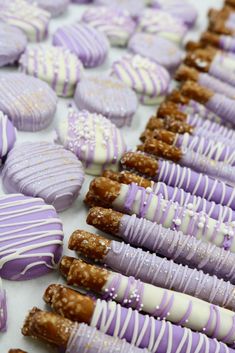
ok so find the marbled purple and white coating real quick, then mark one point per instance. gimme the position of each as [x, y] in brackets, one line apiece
[149, 79]
[60, 68]
[107, 96]
[27, 101]
[93, 139]
[227, 43]
[44, 170]
[146, 332]
[31, 237]
[165, 273]
[158, 49]
[195, 203]
[3, 308]
[87, 339]
[12, 44]
[7, 136]
[29, 18]
[133, 199]
[132, 7]
[215, 84]
[117, 24]
[161, 23]
[54, 7]
[182, 10]
[222, 106]
[90, 45]
[164, 304]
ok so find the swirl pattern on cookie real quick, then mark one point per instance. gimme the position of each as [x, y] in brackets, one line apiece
[31, 237]
[27, 101]
[44, 170]
[93, 139]
[7, 135]
[90, 45]
[149, 79]
[57, 66]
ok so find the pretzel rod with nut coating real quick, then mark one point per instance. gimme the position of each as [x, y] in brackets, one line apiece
[156, 270]
[224, 42]
[75, 338]
[164, 304]
[16, 351]
[133, 199]
[143, 331]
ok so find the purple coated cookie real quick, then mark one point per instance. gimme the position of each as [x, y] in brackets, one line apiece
[44, 170]
[90, 45]
[54, 7]
[116, 24]
[107, 96]
[180, 9]
[3, 308]
[27, 101]
[157, 49]
[7, 135]
[31, 237]
[133, 7]
[13, 43]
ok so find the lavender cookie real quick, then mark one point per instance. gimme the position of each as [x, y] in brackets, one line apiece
[149, 79]
[27, 101]
[158, 49]
[7, 135]
[32, 20]
[116, 24]
[3, 308]
[93, 139]
[161, 23]
[54, 7]
[13, 43]
[60, 68]
[31, 237]
[180, 9]
[107, 96]
[44, 170]
[90, 45]
[133, 7]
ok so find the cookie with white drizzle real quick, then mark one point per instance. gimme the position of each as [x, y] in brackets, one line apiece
[133, 7]
[54, 7]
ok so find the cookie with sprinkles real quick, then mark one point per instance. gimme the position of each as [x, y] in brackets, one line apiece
[107, 96]
[149, 79]
[93, 139]
[32, 20]
[7, 135]
[45, 170]
[133, 7]
[155, 48]
[3, 308]
[116, 24]
[161, 23]
[90, 45]
[54, 7]
[13, 43]
[31, 237]
[27, 101]
[60, 68]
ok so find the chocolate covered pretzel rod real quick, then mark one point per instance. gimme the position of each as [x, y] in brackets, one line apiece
[143, 331]
[163, 304]
[195, 203]
[3, 308]
[133, 199]
[64, 333]
[195, 160]
[220, 65]
[185, 73]
[184, 178]
[156, 270]
[223, 42]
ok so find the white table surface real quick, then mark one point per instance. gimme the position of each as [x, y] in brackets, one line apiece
[22, 296]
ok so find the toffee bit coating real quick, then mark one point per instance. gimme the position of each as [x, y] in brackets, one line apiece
[47, 326]
[185, 73]
[115, 176]
[162, 135]
[191, 45]
[199, 59]
[177, 97]
[230, 2]
[210, 38]
[69, 303]
[162, 150]
[103, 190]
[170, 110]
[215, 15]
[91, 201]
[125, 177]
[194, 91]
[104, 219]
[91, 245]
[84, 275]
[140, 163]
[219, 27]
[16, 351]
